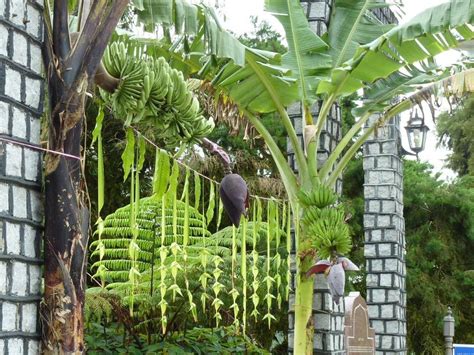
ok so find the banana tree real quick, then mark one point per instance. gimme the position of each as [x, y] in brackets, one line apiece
[73, 64]
[358, 52]
[70, 69]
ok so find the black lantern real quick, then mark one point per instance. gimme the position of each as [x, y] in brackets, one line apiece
[416, 131]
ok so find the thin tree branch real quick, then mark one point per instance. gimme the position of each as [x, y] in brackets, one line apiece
[332, 159]
[287, 175]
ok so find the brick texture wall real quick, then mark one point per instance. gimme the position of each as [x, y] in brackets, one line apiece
[385, 239]
[21, 99]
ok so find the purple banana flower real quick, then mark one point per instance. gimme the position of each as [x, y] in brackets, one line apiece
[235, 197]
[335, 274]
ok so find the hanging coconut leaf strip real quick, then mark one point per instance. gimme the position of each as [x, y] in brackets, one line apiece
[128, 155]
[257, 219]
[186, 184]
[288, 253]
[269, 280]
[97, 136]
[204, 253]
[220, 211]
[186, 209]
[163, 268]
[217, 287]
[277, 258]
[197, 190]
[212, 202]
[192, 305]
[243, 272]
[175, 247]
[234, 292]
[161, 173]
[133, 248]
[217, 271]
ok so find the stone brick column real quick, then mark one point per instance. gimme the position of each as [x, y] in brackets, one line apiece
[385, 239]
[21, 98]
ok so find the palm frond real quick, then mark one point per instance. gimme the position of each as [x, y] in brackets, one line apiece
[433, 31]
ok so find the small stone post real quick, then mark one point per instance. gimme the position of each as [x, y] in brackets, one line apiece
[448, 331]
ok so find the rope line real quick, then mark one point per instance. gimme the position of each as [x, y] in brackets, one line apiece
[197, 172]
[38, 148]
[41, 149]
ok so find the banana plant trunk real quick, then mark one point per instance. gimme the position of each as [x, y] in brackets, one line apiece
[69, 74]
[304, 327]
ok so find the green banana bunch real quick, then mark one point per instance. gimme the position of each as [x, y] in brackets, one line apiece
[330, 233]
[320, 196]
[125, 100]
[155, 95]
[324, 222]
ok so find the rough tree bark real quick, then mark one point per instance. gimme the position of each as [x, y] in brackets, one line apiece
[70, 71]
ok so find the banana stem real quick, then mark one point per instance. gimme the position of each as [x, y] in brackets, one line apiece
[304, 328]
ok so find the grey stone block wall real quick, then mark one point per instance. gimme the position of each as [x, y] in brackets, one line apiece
[21, 98]
[385, 239]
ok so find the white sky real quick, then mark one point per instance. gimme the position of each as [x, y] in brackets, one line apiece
[237, 15]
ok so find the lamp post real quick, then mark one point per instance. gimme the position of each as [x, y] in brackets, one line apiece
[416, 132]
[448, 331]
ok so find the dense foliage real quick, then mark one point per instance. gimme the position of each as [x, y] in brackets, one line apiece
[440, 239]
[456, 130]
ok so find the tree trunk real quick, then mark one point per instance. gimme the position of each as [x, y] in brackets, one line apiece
[70, 73]
[304, 327]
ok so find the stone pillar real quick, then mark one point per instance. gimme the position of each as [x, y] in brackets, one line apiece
[21, 98]
[385, 239]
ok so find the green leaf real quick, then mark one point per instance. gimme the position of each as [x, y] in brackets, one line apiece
[162, 173]
[156, 12]
[212, 203]
[173, 179]
[141, 153]
[307, 53]
[128, 155]
[352, 24]
[380, 95]
[138, 4]
[191, 19]
[97, 136]
[261, 86]
[98, 125]
[433, 31]
[197, 190]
